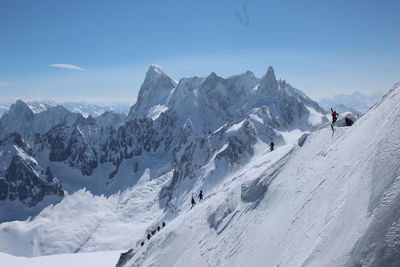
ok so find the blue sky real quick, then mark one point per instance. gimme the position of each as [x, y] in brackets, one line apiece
[322, 47]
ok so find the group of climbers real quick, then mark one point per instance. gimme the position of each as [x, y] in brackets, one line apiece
[334, 115]
[153, 232]
[200, 197]
[348, 122]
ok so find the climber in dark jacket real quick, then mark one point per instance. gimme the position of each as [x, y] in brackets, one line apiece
[193, 202]
[148, 236]
[200, 195]
[163, 224]
[334, 116]
[271, 146]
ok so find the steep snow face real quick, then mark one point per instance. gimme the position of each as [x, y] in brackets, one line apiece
[332, 202]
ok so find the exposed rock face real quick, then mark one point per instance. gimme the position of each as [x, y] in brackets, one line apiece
[269, 84]
[21, 178]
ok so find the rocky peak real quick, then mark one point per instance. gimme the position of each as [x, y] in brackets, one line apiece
[269, 81]
[155, 71]
[155, 90]
[20, 109]
[155, 77]
[249, 73]
[211, 81]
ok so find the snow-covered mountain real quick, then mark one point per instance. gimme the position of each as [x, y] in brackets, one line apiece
[174, 128]
[333, 201]
[23, 120]
[357, 103]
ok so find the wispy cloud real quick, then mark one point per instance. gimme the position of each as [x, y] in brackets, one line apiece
[68, 67]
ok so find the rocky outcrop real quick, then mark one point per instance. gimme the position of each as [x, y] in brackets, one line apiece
[21, 177]
[155, 90]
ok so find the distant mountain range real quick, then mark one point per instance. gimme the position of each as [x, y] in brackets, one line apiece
[84, 108]
[357, 103]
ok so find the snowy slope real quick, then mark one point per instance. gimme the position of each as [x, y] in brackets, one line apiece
[83, 222]
[98, 259]
[332, 202]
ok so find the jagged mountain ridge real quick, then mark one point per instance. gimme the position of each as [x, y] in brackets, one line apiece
[173, 126]
[221, 100]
